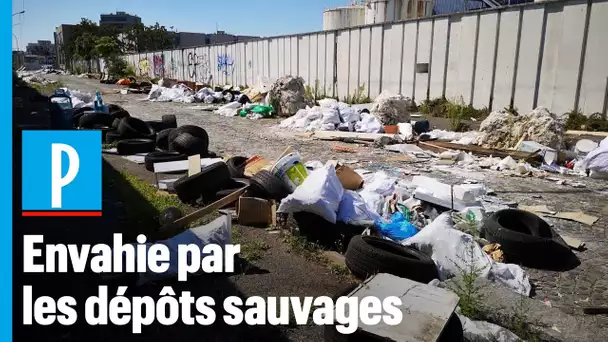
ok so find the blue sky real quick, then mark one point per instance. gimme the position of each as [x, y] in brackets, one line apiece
[248, 17]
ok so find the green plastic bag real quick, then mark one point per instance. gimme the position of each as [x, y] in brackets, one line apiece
[264, 110]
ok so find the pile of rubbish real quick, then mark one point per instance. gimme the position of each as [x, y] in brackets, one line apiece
[416, 214]
[388, 110]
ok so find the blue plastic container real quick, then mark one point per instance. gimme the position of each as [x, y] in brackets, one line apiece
[61, 115]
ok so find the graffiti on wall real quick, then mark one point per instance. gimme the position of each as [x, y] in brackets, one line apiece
[198, 67]
[159, 66]
[173, 68]
[144, 66]
[225, 64]
[250, 64]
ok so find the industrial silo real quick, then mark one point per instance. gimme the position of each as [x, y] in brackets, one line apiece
[342, 17]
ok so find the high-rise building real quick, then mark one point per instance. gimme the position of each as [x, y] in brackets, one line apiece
[119, 19]
[63, 33]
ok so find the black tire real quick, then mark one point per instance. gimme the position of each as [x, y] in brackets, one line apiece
[244, 99]
[157, 126]
[266, 185]
[116, 123]
[169, 120]
[211, 179]
[115, 108]
[368, 255]
[236, 166]
[162, 139]
[193, 130]
[161, 157]
[228, 95]
[77, 115]
[133, 146]
[112, 137]
[135, 128]
[526, 238]
[90, 120]
[190, 145]
[120, 114]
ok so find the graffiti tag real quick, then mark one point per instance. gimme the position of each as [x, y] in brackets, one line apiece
[250, 64]
[159, 66]
[144, 66]
[225, 64]
[198, 67]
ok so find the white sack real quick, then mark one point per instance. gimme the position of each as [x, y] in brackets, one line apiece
[380, 183]
[349, 114]
[320, 194]
[485, 331]
[330, 116]
[453, 250]
[597, 160]
[353, 209]
[368, 124]
[328, 103]
[218, 232]
[373, 200]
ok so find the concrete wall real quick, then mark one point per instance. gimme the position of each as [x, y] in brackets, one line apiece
[550, 54]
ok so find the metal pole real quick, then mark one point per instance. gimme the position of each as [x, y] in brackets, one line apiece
[17, 40]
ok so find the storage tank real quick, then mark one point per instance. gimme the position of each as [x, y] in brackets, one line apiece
[379, 11]
[342, 17]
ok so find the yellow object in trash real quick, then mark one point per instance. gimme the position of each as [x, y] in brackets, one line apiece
[493, 249]
[254, 164]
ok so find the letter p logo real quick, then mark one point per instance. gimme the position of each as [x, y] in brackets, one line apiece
[57, 180]
[61, 173]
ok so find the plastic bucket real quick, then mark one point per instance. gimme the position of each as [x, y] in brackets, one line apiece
[290, 170]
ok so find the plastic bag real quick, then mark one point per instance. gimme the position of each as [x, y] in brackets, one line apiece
[320, 193]
[398, 228]
[330, 116]
[353, 209]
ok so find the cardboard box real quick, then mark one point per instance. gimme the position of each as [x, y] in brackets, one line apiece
[349, 178]
[252, 211]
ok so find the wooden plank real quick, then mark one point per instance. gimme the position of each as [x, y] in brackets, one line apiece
[182, 222]
[476, 149]
[182, 165]
[595, 134]
[337, 135]
[426, 309]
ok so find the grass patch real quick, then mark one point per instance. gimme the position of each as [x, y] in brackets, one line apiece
[105, 146]
[142, 201]
[340, 270]
[309, 250]
[576, 120]
[314, 94]
[253, 250]
[47, 89]
[457, 111]
[358, 97]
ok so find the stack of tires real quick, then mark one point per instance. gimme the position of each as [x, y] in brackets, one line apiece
[220, 179]
[177, 143]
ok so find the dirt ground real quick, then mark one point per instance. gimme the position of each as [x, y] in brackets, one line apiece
[570, 290]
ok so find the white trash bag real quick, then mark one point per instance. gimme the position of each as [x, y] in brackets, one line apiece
[320, 194]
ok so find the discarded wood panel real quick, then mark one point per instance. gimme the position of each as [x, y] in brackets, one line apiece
[182, 222]
[595, 134]
[182, 165]
[476, 150]
[337, 135]
[426, 309]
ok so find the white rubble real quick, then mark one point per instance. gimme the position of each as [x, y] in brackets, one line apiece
[330, 115]
[287, 95]
[501, 129]
[391, 108]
